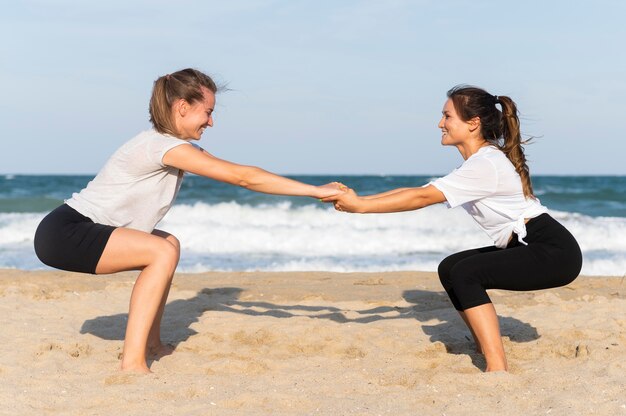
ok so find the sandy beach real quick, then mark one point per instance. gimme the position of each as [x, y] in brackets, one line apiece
[308, 344]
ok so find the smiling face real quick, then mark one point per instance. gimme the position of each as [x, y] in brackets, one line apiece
[454, 131]
[193, 118]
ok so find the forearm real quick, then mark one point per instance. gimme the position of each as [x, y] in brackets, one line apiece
[399, 200]
[391, 192]
[259, 180]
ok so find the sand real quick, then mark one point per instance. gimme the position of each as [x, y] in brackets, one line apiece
[308, 344]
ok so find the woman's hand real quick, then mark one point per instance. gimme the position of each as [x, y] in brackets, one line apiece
[396, 200]
[331, 189]
[348, 201]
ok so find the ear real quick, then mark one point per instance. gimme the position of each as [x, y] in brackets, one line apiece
[181, 107]
[474, 124]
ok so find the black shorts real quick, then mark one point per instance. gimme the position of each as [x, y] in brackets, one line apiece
[67, 240]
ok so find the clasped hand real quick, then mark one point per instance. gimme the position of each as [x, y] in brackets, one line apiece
[344, 201]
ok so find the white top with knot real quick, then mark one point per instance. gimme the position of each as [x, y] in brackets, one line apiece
[490, 190]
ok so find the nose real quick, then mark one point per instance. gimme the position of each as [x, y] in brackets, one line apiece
[210, 122]
[440, 125]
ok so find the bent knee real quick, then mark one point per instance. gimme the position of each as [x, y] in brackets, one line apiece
[444, 272]
[175, 242]
[168, 237]
[166, 254]
[172, 253]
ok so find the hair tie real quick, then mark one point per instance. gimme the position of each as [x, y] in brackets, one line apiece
[496, 99]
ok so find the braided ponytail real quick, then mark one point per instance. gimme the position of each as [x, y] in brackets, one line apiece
[512, 143]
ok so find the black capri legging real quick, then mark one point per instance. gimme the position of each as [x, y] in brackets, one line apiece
[67, 240]
[552, 258]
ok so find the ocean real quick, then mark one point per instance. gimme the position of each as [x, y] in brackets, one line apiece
[226, 228]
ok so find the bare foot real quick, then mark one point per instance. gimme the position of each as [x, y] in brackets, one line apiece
[490, 370]
[160, 350]
[135, 368]
[496, 365]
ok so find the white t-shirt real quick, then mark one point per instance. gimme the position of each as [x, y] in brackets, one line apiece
[490, 190]
[134, 189]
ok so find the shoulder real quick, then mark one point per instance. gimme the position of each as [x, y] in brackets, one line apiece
[483, 162]
[153, 136]
[157, 143]
[477, 177]
[494, 155]
[487, 153]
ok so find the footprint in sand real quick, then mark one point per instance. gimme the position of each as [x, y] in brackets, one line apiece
[75, 350]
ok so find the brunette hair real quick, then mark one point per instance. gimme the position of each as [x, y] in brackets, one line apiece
[500, 128]
[186, 84]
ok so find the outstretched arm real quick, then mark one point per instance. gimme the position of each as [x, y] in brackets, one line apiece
[392, 191]
[191, 159]
[397, 200]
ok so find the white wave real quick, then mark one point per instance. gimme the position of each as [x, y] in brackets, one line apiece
[17, 228]
[595, 233]
[231, 236]
[312, 231]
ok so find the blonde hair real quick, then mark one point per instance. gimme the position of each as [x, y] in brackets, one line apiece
[185, 84]
[500, 128]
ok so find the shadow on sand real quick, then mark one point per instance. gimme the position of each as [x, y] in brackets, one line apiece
[424, 306]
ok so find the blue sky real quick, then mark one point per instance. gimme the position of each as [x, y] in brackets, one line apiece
[338, 87]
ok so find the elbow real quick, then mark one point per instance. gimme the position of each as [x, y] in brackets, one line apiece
[247, 178]
[242, 183]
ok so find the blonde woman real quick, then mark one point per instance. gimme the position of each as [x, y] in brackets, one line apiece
[109, 226]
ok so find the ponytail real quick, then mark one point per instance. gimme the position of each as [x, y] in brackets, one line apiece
[161, 108]
[512, 143]
[500, 128]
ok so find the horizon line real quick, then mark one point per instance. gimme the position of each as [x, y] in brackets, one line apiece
[5, 174]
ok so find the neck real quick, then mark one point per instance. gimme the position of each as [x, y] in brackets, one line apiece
[468, 149]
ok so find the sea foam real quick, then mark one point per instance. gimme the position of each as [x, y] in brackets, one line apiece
[230, 236]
